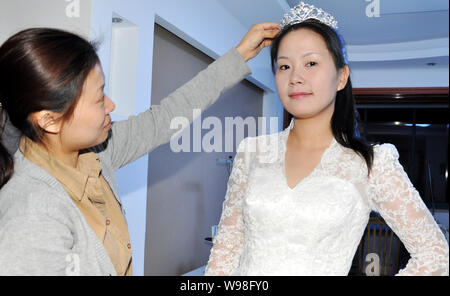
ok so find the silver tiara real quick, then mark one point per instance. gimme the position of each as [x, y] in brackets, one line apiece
[304, 11]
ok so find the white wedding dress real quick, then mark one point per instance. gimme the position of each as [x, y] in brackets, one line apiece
[267, 228]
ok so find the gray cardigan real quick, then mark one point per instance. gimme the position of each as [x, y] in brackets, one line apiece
[42, 232]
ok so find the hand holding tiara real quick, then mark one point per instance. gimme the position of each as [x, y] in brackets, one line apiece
[259, 36]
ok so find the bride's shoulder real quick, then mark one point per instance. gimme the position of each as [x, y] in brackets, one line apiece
[260, 143]
[384, 152]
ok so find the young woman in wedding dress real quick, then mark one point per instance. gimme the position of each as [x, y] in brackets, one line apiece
[298, 201]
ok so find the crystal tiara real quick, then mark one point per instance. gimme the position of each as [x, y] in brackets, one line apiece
[304, 11]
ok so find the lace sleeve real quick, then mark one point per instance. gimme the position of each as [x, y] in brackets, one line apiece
[228, 242]
[399, 203]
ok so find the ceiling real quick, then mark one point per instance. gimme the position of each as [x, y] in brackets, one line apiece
[410, 23]
[398, 21]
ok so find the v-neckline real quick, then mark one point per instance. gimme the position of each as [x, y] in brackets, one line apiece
[332, 143]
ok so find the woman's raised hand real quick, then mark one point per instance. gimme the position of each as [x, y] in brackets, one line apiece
[259, 36]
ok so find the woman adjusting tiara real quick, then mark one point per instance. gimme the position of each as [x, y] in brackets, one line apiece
[60, 212]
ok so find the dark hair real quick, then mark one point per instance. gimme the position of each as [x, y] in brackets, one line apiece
[41, 69]
[345, 117]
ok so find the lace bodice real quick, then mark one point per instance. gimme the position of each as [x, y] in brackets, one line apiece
[267, 228]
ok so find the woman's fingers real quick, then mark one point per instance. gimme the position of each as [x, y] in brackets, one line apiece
[270, 34]
[268, 26]
[263, 44]
[258, 37]
[268, 30]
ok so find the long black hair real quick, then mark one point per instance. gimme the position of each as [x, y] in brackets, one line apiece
[345, 117]
[40, 69]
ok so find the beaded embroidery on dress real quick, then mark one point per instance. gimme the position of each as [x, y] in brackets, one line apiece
[268, 228]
